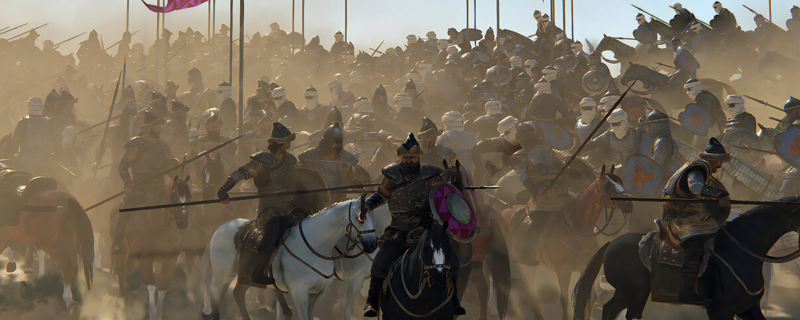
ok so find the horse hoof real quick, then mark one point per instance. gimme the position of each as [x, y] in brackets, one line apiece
[74, 309]
[11, 267]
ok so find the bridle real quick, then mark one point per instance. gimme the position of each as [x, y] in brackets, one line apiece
[599, 198]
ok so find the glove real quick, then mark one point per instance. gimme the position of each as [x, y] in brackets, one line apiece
[222, 194]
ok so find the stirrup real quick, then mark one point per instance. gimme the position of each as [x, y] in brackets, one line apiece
[370, 311]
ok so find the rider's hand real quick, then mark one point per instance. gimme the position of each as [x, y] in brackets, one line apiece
[223, 196]
[725, 201]
[226, 201]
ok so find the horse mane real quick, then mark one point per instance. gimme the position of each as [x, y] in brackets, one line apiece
[331, 207]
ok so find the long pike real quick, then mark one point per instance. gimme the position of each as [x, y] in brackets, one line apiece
[22, 34]
[675, 200]
[588, 138]
[14, 28]
[162, 173]
[100, 150]
[62, 42]
[116, 43]
[763, 102]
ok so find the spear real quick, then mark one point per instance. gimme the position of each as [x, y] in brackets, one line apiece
[679, 200]
[62, 42]
[589, 138]
[173, 56]
[116, 43]
[763, 102]
[22, 34]
[756, 150]
[765, 18]
[652, 15]
[14, 28]
[38, 82]
[665, 65]
[376, 50]
[101, 149]
[162, 173]
[99, 124]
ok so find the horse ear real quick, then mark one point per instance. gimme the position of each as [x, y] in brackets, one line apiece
[458, 165]
[175, 179]
[630, 63]
[444, 164]
[445, 225]
[603, 170]
[188, 177]
[612, 169]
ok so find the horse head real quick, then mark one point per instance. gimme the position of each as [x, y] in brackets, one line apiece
[365, 227]
[452, 175]
[179, 192]
[610, 185]
[435, 253]
[213, 175]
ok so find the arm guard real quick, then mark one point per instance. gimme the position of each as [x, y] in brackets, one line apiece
[222, 194]
[711, 192]
[125, 164]
[374, 201]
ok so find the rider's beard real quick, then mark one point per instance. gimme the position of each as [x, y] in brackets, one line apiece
[409, 168]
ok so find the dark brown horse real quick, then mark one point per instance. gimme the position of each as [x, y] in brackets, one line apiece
[568, 240]
[156, 236]
[55, 222]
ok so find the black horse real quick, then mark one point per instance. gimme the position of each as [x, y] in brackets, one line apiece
[733, 278]
[420, 286]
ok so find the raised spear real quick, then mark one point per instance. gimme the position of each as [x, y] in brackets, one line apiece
[162, 173]
[173, 56]
[376, 50]
[14, 28]
[101, 149]
[765, 18]
[756, 150]
[588, 138]
[651, 15]
[763, 102]
[116, 43]
[22, 34]
[62, 42]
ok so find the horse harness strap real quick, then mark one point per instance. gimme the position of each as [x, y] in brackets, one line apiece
[736, 276]
[789, 257]
[310, 266]
[447, 300]
[348, 247]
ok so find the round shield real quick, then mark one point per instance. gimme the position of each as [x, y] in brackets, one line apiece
[642, 176]
[787, 145]
[361, 176]
[643, 34]
[695, 119]
[742, 143]
[469, 58]
[449, 204]
[686, 61]
[499, 74]
[554, 135]
[595, 82]
[570, 62]
[307, 179]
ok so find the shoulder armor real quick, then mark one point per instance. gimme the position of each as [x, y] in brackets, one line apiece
[392, 171]
[445, 152]
[309, 155]
[265, 158]
[427, 171]
[136, 142]
[348, 158]
[291, 158]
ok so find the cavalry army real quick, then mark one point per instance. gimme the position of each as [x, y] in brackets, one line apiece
[540, 116]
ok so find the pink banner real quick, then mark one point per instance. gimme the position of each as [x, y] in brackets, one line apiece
[173, 5]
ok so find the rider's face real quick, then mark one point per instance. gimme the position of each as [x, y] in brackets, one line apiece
[409, 159]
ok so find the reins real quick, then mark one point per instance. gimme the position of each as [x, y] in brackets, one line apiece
[601, 201]
[765, 258]
[424, 277]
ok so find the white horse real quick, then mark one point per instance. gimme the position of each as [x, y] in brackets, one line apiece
[322, 231]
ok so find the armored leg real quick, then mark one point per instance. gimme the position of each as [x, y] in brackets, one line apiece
[693, 251]
[273, 229]
[391, 250]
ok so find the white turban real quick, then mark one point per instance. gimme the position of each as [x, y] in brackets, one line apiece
[492, 107]
[588, 102]
[278, 92]
[453, 120]
[506, 124]
[363, 106]
[334, 83]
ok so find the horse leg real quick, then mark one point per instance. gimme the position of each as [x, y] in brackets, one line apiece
[41, 254]
[613, 307]
[238, 295]
[167, 269]
[11, 266]
[482, 287]
[69, 272]
[754, 313]
[526, 287]
[283, 305]
[564, 274]
[149, 278]
[312, 302]
[301, 302]
[97, 250]
[353, 285]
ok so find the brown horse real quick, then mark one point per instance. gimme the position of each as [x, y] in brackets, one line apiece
[568, 240]
[55, 222]
[156, 236]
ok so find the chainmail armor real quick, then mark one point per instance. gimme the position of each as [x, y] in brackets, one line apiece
[461, 143]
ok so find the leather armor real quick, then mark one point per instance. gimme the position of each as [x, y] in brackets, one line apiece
[269, 175]
[407, 196]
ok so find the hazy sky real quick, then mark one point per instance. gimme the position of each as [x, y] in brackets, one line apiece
[370, 21]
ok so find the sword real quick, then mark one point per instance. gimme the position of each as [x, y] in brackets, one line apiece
[674, 200]
[162, 173]
[763, 102]
[251, 197]
[588, 138]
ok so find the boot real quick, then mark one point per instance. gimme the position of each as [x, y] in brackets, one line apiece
[373, 297]
[692, 257]
[265, 255]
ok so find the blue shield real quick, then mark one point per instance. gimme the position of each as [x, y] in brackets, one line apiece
[686, 61]
[698, 43]
[643, 34]
[787, 145]
[554, 135]
[642, 176]
[695, 119]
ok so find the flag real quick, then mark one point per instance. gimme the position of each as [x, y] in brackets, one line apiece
[173, 5]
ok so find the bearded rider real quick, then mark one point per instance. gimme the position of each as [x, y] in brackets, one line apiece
[406, 186]
[272, 171]
[690, 225]
[145, 155]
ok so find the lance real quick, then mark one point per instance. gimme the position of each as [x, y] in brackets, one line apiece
[665, 65]
[5, 28]
[679, 200]
[756, 150]
[376, 50]
[22, 34]
[116, 43]
[14, 28]
[162, 173]
[99, 124]
[758, 14]
[651, 15]
[763, 102]
[62, 42]
[589, 138]
[173, 56]
[779, 120]
[623, 38]
[101, 149]
[38, 82]
[250, 197]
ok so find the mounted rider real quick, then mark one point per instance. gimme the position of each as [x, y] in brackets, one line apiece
[620, 141]
[272, 171]
[484, 126]
[491, 169]
[792, 110]
[34, 141]
[330, 160]
[145, 155]
[588, 119]
[690, 225]
[433, 153]
[707, 101]
[458, 140]
[406, 186]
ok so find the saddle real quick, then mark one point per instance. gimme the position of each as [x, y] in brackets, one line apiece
[252, 237]
[664, 263]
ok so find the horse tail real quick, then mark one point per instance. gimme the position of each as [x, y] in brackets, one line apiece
[583, 288]
[500, 267]
[85, 234]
